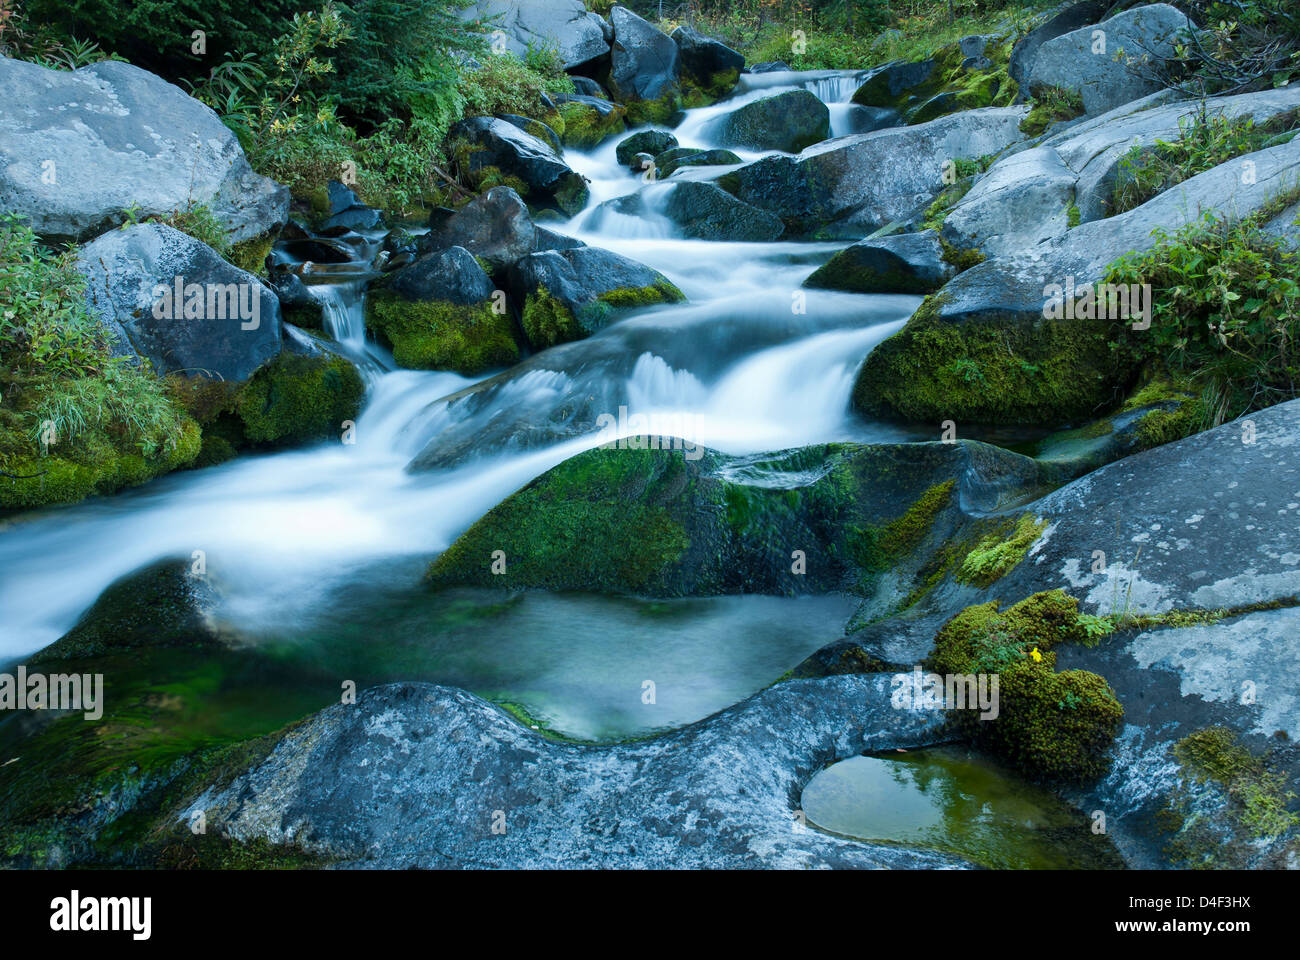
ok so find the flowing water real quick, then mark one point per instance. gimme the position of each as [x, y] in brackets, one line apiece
[313, 545]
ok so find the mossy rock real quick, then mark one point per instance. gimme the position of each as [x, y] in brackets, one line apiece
[296, 399]
[251, 254]
[439, 335]
[946, 83]
[1054, 726]
[987, 371]
[586, 126]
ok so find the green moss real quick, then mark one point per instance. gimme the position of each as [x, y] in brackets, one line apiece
[1258, 798]
[627, 297]
[435, 335]
[659, 112]
[876, 549]
[298, 399]
[1073, 216]
[547, 321]
[1050, 105]
[961, 259]
[987, 371]
[1053, 725]
[603, 520]
[994, 557]
[586, 127]
[950, 87]
[251, 254]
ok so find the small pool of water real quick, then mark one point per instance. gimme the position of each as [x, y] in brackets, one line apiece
[954, 799]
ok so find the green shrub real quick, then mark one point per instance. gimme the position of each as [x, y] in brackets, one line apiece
[1225, 314]
[506, 84]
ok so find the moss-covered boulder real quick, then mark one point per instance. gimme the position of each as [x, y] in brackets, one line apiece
[164, 605]
[949, 81]
[644, 69]
[840, 516]
[570, 294]
[590, 121]
[994, 367]
[900, 263]
[787, 121]
[709, 68]
[653, 142]
[491, 152]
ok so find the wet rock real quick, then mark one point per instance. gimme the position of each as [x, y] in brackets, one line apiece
[706, 63]
[227, 323]
[410, 775]
[588, 87]
[770, 66]
[854, 185]
[536, 128]
[644, 67]
[900, 263]
[1070, 61]
[121, 138]
[488, 148]
[297, 305]
[788, 121]
[703, 211]
[163, 605]
[670, 161]
[341, 197]
[652, 142]
[495, 226]
[570, 294]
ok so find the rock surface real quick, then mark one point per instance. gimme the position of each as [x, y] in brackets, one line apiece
[644, 61]
[486, 146]
[899, 263]
[226, 325]
[415, 775]
[77, 149]
[564, 25]
[495, 226]
[788, 122]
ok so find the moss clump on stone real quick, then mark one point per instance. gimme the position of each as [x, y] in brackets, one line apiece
[1058, 726]
[436, 335]
[586, 127]
[298, 399]
[1050, 105]
[986, 371]
[251, 254]
[603, 520]
[876, 549]
[1258, 798]
[959, 258]
[996, 556]
[548, 321]
[949, 87]
[1178, 411]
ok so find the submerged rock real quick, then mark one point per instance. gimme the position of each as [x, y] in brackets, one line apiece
[670, 161]
[80, 148]
[788, 122]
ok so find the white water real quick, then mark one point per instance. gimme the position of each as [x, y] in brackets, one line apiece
[283, 534]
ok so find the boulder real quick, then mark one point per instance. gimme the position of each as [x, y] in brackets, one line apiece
[297, 305]
[704, 211]
[788, 122]
[670, 161]
[652, 142]
[225, 324]
[489, 151]
[341, 197]
[542, 131]
[899, 263]
[983, 350]
[570, 294]
[1073, 17]
[966, 75]
[439, 313]
[588, 87]
[1033, 196]
[409, 776]
[852, 186]
[589, 121]
[707, 64]
[644, 67]
[1110, 77]
[563, 25]
[79, 148]
[495, 226]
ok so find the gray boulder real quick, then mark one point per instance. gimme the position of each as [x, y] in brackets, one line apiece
[708, 64]
[485, 146]
[704, 211]
[852, 186]
[451, 275]
[652, 142]
[495, 226]
[788, 122]
[564, 25]
[1025, 198]
[994, 314]
[644, 62]
[670, 161]
[1073, 17]
[1110, 77]
[899, 263]
[77, 149]
[225, 324]
[542, 131]
[416, 775]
